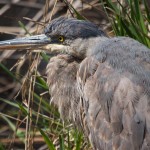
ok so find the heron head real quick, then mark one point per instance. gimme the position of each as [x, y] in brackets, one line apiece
[71, 36]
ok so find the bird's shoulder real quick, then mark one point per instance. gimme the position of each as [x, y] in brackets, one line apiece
[122, 55]
[119, 49]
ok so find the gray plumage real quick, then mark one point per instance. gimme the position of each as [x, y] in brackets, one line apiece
[106, 92]
[77, 28]
[101, 84]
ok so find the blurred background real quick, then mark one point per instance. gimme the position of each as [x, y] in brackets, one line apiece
[27, 120]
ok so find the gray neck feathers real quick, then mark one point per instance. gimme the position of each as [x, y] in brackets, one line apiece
[93, 45]
[87, 47]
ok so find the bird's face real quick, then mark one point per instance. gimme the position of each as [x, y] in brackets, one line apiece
[71, 33]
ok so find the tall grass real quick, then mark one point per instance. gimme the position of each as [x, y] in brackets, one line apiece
[33, 116]
[130, 18]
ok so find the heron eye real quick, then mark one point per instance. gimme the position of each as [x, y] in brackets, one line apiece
[61, 38]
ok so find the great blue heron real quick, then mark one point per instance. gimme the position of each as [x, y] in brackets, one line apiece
[101, 84]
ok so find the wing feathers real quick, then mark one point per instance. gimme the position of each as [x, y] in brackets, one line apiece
[116, 113]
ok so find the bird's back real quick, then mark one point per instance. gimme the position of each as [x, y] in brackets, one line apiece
[115, 83]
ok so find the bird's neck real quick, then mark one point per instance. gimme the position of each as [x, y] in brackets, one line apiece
[93, 45]
[87, 47]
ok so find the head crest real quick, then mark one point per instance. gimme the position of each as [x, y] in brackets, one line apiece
[73, 28]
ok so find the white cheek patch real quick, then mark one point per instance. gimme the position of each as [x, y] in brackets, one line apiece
[55, 48]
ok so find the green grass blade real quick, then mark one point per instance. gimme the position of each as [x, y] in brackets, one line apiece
[112, 6]
[2, 147]
[9, 102]
[79, 16]
[147, 10]
[68, 141]
[9, 72]
[23, 26]
[19, 133]
[78, 141]
[41, 82]
[44, 56]
[47, 140]
[61, 141]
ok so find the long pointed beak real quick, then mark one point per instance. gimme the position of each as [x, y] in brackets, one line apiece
[25, 42]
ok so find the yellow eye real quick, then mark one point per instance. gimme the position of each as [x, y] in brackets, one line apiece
[61, 38]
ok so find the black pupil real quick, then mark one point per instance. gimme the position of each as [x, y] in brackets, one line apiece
[60, 38]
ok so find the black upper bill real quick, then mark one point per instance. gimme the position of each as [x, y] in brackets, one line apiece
[25, 42]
